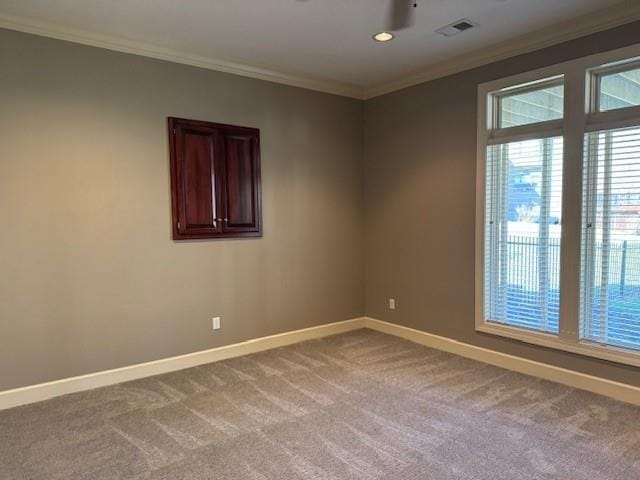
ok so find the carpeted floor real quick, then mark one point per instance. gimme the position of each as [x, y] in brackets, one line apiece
[361, 405]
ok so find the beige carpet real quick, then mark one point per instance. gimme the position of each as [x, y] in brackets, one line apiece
[361, 405]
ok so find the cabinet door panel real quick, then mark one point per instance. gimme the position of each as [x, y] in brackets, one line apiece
[242, 192]
[197, 168]
[195, 183]
[215, 180]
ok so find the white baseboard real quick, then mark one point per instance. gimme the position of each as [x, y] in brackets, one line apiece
[609, 388]
[44, 391]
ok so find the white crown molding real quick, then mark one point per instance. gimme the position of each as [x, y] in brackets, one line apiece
[46, 29]
[625, 12]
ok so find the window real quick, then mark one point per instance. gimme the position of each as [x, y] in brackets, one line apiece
[523, 233]
[531, 106]
[610, 274]
[523, 207]
[558, 247]
[619, 89]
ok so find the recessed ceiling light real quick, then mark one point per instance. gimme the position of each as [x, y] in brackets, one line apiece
[383, 37]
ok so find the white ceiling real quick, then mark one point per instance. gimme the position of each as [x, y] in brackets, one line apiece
[321, 39]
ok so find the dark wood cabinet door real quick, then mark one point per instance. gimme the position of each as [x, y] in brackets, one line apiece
[215, 180]
[242, 182]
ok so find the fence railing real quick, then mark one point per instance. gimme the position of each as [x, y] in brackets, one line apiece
[523, 263]
[531, 296]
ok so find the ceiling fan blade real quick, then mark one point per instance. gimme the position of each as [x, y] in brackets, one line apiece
[401, 14]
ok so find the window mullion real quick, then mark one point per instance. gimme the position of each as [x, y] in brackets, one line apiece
[574, 123]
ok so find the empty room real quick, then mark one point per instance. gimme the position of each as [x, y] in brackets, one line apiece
[320, 240]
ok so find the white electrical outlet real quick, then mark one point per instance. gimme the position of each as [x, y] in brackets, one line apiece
[392, 304]
[216, 323]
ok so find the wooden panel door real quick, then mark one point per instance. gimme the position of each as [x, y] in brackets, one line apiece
[242, 182]
[196, 173]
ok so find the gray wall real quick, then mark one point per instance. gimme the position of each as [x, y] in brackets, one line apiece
[91, 279]
[420, 160]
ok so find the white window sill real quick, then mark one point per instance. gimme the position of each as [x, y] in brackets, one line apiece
[603, 352]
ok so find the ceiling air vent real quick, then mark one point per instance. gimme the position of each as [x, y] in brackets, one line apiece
[456, 27]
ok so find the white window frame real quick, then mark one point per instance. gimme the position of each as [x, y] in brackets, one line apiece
[581, 115]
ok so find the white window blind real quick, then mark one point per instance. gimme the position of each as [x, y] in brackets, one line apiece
[522, 233]
[610, 273]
